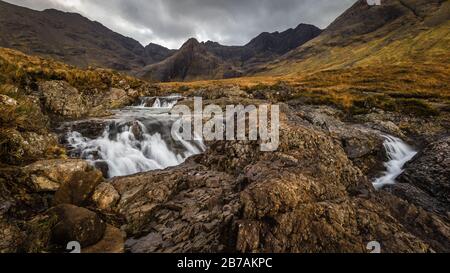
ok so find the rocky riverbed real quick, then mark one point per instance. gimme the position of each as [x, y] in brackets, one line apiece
[314, 194]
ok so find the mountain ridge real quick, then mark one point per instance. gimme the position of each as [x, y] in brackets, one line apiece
[71, 38]
[220, 61]
[67, 37]
[396, 31]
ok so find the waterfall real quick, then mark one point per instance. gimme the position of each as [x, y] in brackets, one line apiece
[159, 102]
[137, 139]
[399, 153]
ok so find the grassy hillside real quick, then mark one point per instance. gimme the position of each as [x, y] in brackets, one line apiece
[23, 70]
[398, 32]
[416, 89]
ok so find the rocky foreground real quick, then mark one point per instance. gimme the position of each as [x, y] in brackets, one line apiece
[313, 195]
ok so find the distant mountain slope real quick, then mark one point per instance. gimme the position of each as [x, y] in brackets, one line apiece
[73, 39]
[398, 31]
[211, 60]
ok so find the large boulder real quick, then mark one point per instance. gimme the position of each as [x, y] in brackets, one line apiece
[49, 175]
[62, 99]
[112, 242]
[117, 98]
[79, 189]
[22, 147]
[105, 196]
[76, 224]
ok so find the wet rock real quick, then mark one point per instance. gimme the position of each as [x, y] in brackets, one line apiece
[112, 242]
[105, 196]
[79, 189]
[62, 99]
[137, 131]
[432, 228]
[91, 128]
[422, 130]
[429, 171]
[76, 224]
[103, 167]
[365, 148]
[146, 102]
[49, 175]
[147, 244]
[418, 197]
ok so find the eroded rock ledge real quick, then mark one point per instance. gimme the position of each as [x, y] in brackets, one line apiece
[307, 197]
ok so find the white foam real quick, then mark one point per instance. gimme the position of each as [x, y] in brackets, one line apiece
[399, 154]
[126, 153]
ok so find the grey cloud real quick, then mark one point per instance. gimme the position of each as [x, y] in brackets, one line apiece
[171, 22]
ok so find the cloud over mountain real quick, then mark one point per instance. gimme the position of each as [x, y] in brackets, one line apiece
[172, 22]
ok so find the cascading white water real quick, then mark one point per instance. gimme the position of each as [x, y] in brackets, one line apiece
[137, 140]
[399, 153]
[163, 102]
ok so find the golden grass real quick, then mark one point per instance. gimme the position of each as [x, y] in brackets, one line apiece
[430, 46]
[410, 88]
[21, 70]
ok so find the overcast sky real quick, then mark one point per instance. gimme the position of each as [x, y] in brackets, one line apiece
[171, 22]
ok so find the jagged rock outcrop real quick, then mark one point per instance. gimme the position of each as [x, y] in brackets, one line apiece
[362, 145]
[79, 189]
[306, 197]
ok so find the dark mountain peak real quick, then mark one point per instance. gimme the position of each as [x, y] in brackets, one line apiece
[153, 46]
[156, 53]
[191, 42]
[211, 60]
[210, 43]
[71, 38]
[56, 11]
[303, 25]
[282, 42]
[361, 18]
[368, 34]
